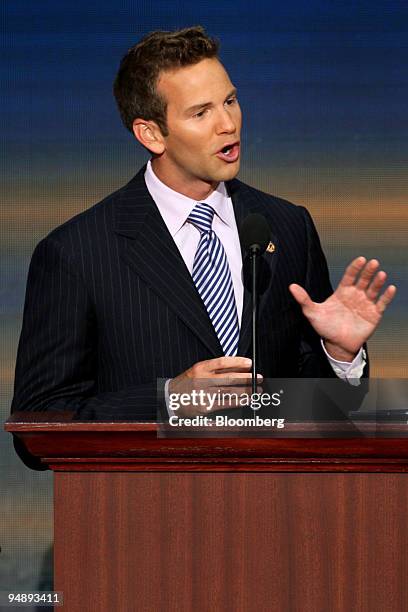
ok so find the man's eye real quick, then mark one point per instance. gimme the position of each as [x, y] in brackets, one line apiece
[200, 114]
[232, 100]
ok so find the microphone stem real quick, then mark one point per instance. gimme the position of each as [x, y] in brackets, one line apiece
[254, 261]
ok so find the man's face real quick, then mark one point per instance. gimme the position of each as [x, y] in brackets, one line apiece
[204, 124]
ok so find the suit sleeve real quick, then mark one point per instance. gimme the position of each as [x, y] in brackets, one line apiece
[57, 354]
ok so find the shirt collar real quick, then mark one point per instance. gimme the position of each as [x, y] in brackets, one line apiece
[175, 207]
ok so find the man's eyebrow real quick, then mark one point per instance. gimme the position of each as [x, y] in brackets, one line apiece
[196, 107]
[233, 92]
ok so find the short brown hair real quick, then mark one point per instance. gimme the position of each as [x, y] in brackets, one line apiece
[135, 84]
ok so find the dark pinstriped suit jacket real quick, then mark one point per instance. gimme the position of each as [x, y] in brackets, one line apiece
[110, 306]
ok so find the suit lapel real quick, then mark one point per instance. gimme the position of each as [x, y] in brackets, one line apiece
[245, 203]
[153, 254]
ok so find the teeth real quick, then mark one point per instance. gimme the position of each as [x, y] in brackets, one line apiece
[227, 151]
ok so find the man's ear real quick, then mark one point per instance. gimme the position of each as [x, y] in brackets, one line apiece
[149, 135]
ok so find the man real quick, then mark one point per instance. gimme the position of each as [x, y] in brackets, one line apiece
[116, 297]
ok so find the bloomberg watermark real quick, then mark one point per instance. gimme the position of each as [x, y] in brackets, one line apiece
[222, 420]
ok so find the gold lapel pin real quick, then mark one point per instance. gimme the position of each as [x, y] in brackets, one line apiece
[270, 248]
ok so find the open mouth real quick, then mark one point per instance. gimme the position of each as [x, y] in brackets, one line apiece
[230, 152]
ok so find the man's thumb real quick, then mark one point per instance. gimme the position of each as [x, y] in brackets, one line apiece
[300, 295]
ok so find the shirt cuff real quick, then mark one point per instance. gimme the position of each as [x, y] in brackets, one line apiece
[352, 372]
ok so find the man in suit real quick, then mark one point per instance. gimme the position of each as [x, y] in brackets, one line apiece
[114, 297]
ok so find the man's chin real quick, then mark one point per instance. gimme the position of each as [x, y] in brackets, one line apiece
[228, 172]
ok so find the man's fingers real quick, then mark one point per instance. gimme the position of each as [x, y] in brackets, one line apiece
[226, 364]
[300, 295]
[236, 378]
[376, 285]
[227, 379]
[386, 298]
[367, 274]
[364, 276]
[352, 271]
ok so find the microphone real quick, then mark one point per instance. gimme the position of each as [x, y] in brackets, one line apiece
[255, 236]
[255, 233]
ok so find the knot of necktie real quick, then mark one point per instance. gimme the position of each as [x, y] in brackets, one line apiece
[202, 217]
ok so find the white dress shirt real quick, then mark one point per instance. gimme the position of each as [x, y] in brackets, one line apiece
[175, 208]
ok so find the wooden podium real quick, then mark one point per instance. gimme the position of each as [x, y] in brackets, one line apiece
[300, 522]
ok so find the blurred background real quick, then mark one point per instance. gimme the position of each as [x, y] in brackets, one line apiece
[324, 91]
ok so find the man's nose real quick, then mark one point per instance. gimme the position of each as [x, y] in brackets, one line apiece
[225, 124]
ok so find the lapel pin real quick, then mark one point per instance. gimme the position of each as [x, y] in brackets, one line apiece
[270, 248]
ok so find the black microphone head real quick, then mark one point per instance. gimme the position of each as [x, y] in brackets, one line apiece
[255, 233]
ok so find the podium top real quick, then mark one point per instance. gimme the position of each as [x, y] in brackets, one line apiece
[56, 441]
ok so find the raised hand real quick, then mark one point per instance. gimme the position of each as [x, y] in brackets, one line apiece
[352, 313]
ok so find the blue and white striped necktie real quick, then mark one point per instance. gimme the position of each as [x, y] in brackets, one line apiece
[212, 277]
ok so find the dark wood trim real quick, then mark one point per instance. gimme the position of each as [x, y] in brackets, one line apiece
[279, 465]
